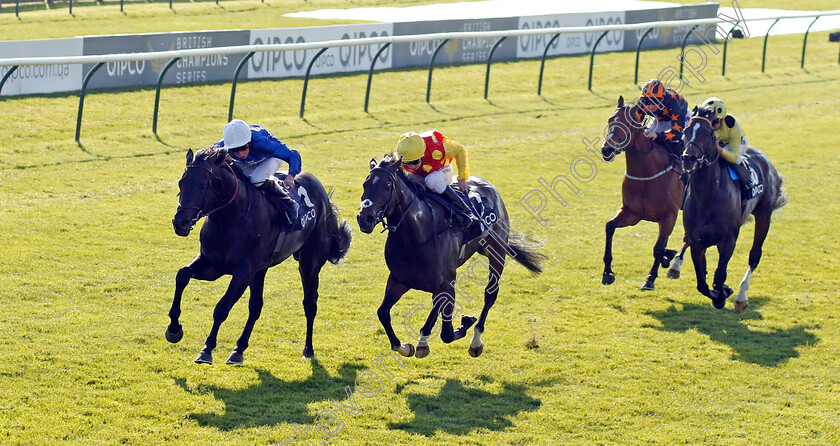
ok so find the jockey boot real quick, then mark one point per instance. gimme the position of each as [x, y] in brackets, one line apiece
[466, 215]
[284, 203]
[743, 173]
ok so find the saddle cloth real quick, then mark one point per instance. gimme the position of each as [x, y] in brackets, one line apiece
[755, 184]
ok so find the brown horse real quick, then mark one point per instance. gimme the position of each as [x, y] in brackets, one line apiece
[714, 211]
[423, 250]
[651, 189]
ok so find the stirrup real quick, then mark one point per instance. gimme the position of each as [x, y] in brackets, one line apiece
[291, 211]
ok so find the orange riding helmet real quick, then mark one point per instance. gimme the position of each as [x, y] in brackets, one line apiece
[653, 89]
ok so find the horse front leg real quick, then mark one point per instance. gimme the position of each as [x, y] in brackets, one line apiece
[242, 277]
[393, 292]
[666, 225]
[255, 305]
[198, 268]
[725, 250]
[622, 219]
[445, 301]
[698, 257]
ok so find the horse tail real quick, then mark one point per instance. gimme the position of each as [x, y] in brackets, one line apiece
[525, 250]
[781, 198]
[340, 233]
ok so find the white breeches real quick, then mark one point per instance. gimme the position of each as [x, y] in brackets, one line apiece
[439, 179]
[262, 171]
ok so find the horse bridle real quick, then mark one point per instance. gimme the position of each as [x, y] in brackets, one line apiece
[201, 211]
[704, 160]
[380, 215]
[629, 131]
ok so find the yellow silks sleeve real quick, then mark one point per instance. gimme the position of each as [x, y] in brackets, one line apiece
[456, 150]
[732, 136]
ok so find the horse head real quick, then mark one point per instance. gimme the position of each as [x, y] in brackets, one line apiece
[622, 129]
[381, 189]
[201, 188]
[700, 142]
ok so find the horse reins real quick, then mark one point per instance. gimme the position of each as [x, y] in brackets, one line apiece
[201, 211]
[703, 160]
[380, 215]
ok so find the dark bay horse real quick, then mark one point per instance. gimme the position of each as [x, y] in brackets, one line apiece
[242, 236]
[714, 212]
[422, 251]
[651, 189]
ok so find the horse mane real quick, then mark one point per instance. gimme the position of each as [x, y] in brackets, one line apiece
[392, 162]
[212, 153]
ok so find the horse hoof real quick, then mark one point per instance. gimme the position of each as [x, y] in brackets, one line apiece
[235, 358]
[467, 321]
[406, 350]
[174, 336]
[608, 278]
[204, 358]
[741, 305]
[648, 285]
[308, 353]
[475, 352]
[422, 352]
[673, 274]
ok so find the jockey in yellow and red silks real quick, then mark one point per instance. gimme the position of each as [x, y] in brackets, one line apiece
[669, 109]
[428, 156]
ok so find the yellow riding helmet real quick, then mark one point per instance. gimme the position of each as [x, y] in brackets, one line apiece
[653, 89]
[717, 105]
[411, 147]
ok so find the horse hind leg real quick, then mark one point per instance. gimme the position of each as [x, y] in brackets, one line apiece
[676, 263]
[310, 269]
[491, 293]
[762, 226]
[255, 305]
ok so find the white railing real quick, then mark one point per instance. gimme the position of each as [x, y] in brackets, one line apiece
[128, 57]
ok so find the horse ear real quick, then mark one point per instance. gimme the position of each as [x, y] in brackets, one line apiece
[189, 157]
[621, 101]
[223, 154]
[372, 163]
[694, 111]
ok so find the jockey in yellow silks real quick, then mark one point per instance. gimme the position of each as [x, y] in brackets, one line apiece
[731, 139]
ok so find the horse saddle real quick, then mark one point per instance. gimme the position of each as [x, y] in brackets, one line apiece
[481, 207]
[752, 186]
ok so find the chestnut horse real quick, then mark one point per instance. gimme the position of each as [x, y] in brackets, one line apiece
[651, 189]
[423, 250]
[714, 211]
[243, 236]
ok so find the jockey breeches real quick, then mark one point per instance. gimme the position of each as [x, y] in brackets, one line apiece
[439, 179]
[262, 171]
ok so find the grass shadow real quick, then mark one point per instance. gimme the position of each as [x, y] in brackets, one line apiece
[460, 410]
[768, 348]
[272, 400]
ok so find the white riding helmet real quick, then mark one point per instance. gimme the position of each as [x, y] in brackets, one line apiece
[236, 134]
